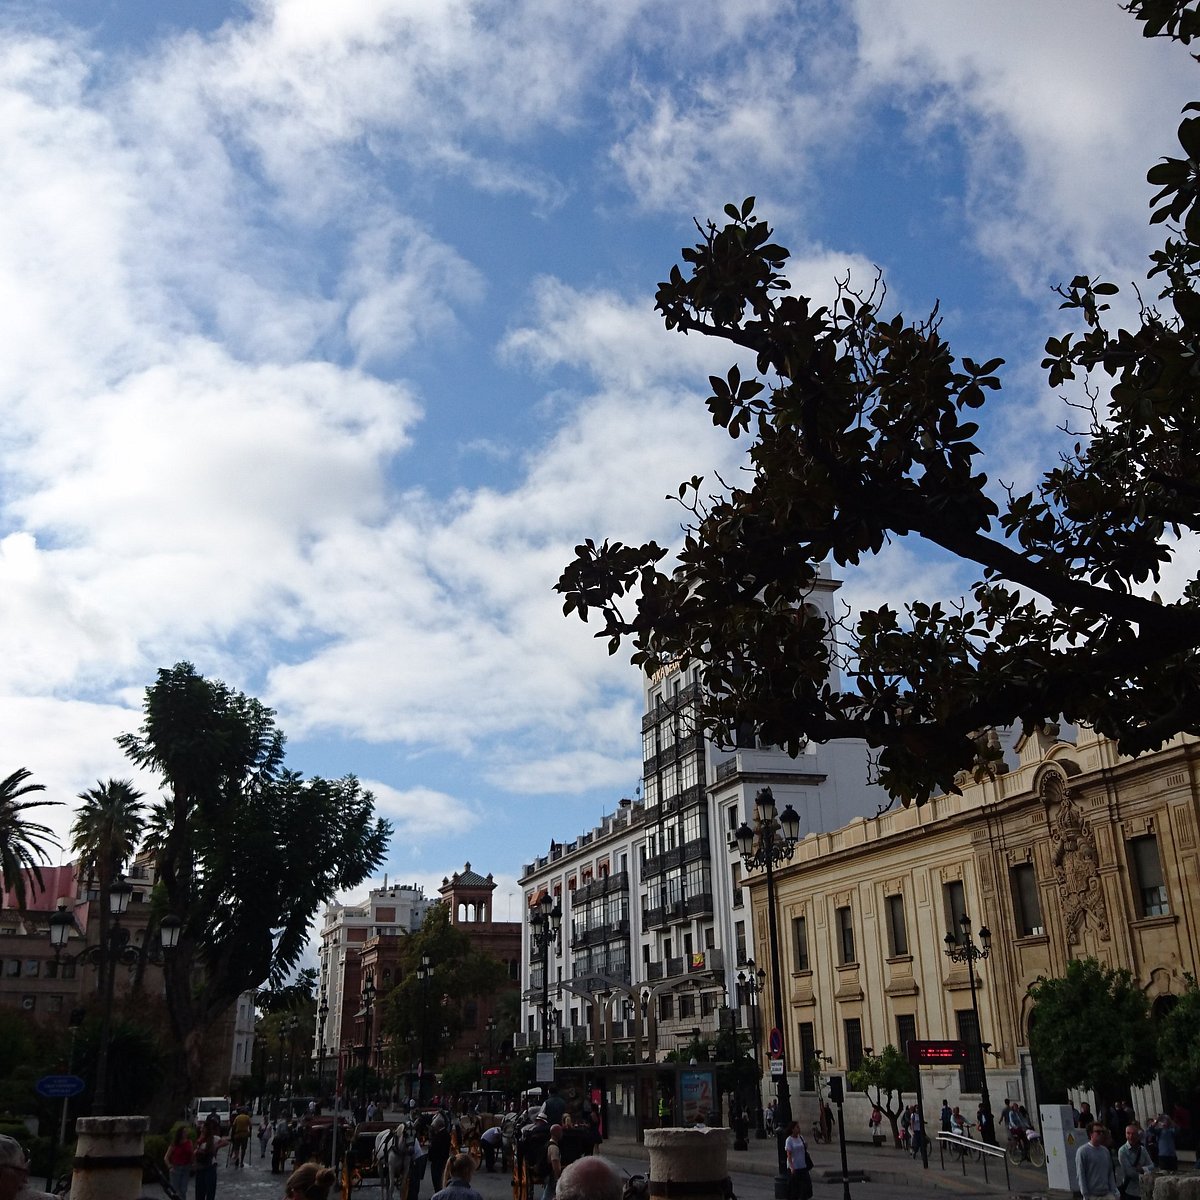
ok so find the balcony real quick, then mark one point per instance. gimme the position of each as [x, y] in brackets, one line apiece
[700, 905]
[653, 971]
[652, 918]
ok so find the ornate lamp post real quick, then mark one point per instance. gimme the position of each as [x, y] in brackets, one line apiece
[544, 922]
[491, 1033]
[424, 973]
[292, 1024]
[752, 983]
[322, 1017]
[771, 844]
[368, 1000]
[112, 950]
[963, 949]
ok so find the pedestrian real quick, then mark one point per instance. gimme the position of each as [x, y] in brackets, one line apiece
[239, 1132]
[1085, 1115]
[310, 1181]
[590, 1178]
[264, 1136]
[208, 1145]
[917, 1130]
[459, 1185]
[554, 1162]
[1094, 1166]
[439, 1150]
[799, 1181]
[178, 1160]
[947, 1117]
[14, 1173]
[906, 1125]
[1168, 1160]
[491, 1140]
[418, 1164]
[279, 1146]
[1134, 1164]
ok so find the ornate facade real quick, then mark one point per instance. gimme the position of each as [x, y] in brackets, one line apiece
[1075, 852]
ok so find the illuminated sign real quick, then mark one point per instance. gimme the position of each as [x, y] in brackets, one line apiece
[930, 1054]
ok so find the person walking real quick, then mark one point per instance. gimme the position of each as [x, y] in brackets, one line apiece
[917, 1130]
[1094, 1166]
[1168, 1159]
[178, 1160]
[1134, 1164]
[799, 1181]
[554, 1162]
[208, 1146]
[239, 1131]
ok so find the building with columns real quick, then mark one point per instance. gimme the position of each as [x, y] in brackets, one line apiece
[1075, 852]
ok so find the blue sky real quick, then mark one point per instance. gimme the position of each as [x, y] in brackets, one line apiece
[328, 332]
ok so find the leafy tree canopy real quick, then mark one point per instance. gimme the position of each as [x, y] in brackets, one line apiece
[429, 1015]
[862, 429]
[1179, 1040]
[883, 1078]
[1091, 1029]
[246, 850]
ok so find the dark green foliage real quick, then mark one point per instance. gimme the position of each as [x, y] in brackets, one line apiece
[430, 1016]
[863, 430]
[1091, 1029]
[1179, 1040]
[884, 1078]
[23, 843]
[247, 850]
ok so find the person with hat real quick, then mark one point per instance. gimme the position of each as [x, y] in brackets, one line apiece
[14, 1173]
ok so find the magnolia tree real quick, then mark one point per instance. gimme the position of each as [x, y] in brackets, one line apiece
[862, 429]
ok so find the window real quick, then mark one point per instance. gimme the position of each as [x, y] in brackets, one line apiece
[737, 885]
[54, 1004]
[906, 1031]
[28, 1003]
[854, 1046]
[896, 930]
[808, 1051]
[32, 968]
[800, 943]
[739, 936]
[1027, 908]
[956, 905]
[710, 938]
[666, 1007]
[845, 932]
[1151, 889]
[731, 815]
[687, 1005]
[12, 968]
[968, 1031]
[708, 1003]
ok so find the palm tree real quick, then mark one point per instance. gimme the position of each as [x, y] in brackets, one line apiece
[22, 841]
[106, 830]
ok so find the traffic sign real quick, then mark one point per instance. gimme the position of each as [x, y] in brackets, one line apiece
[55, 1087]
[776, 1068]
[775, 1043]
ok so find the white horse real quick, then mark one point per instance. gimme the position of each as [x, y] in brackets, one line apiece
[393, 1158]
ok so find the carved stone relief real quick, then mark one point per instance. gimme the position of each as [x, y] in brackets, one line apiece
[1076, 864]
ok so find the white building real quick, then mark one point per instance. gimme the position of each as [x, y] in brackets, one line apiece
[652, 908]
[388, 911]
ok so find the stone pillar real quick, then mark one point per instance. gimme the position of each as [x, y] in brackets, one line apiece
[687, 1164]
[108, 1158]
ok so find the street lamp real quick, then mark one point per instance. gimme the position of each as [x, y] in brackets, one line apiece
[368, 999]
[963, 949]
[322, 1017]
[423, 973]
[770, 844]
[491, 1033]
[292, 1024]
[113, 949]
[752, 983]
[545, 918]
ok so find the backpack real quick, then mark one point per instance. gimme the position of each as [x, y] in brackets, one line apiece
[531, 1148]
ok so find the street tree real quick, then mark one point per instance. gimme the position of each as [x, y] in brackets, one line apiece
[863, 431]
[884, 1078]
[1179, 1040]
[246, 850]
[431, 1012]
[1091, 1028]
[24, 844]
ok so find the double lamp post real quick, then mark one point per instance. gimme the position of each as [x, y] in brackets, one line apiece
[545, 919]
[112, 950]
[770, 844]
[962, 948]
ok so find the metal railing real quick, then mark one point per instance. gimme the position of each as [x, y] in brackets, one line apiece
[974, 1148]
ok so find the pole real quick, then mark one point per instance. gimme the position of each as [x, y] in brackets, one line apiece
[842, 1146]
[545, 989]
[783, 1093]
[984, 1099]
[108, 967]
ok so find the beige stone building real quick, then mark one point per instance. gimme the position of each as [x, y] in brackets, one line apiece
[1074, 852]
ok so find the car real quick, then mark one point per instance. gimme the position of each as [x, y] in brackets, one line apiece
[203, 1106]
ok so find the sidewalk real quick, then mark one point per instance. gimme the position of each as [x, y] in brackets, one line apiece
[881, 1166]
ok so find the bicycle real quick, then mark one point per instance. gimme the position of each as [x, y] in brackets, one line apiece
[960, 1149]
[1025, 1145]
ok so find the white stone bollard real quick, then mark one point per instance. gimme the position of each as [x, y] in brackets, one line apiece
[688, 1164]
[108, 1158]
